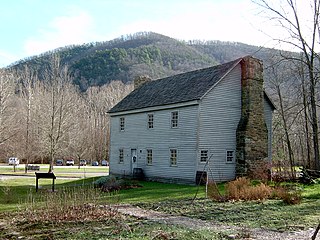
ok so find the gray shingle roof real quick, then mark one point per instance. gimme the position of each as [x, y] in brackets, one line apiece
[179, 88]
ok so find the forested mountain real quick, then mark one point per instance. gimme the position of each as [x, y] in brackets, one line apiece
[95, 64]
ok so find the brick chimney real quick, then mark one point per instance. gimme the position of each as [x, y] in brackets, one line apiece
[252, 132]
[140, 80]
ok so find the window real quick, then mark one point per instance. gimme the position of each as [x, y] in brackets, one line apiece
[230, 156]
[174, 119]
[120, 155]
[173, 157]
[122, 124]
[150, 121]
[204, 156]
[149, 156]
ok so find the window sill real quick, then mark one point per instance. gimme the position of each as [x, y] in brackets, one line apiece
[233, 162]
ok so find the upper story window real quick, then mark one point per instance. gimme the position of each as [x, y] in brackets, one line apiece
[173, 157]
[121, 156]
[230, 156]
[174, 119]
[122, 124]
[204, 156]
[150, 121]
[149, 156]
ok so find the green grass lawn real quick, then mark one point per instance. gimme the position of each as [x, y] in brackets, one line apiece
[16, 191]
[157, 192]
[169, 198]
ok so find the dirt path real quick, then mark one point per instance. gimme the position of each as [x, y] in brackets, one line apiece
[254, 233]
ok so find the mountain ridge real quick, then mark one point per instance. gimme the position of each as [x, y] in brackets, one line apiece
[144, 53]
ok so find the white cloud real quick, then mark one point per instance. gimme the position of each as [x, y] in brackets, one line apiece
[74, 28]
[226, 21]
[203, 20]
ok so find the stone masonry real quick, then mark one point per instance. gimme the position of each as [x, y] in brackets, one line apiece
[138, 81]
[252, 132]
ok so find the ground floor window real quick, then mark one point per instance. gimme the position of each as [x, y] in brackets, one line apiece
[204, 156]
[230, 156]
[173, 157]
[120, 155]
[149, 156]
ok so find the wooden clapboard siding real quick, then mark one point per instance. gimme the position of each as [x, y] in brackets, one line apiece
[219, 116]
[160, 139]
[268, 109]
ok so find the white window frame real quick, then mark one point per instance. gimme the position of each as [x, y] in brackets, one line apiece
[228, 156]
[150, 122]
[121, 155]
[173, 157]
[122, 124]
[149, 156]
[174, 119]
[204, 155]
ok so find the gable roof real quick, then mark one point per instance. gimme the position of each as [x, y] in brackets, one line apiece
[179, 88]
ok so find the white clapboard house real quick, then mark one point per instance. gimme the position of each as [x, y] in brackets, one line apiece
[206, 121]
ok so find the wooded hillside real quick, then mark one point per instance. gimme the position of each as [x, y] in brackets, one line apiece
[95, 64]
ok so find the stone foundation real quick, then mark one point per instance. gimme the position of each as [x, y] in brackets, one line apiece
[140, 80]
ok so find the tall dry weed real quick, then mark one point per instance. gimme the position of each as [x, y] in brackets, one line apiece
[69, 204]
[213, 192]
[288, 196]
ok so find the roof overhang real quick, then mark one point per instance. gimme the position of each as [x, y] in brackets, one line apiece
[156, 108]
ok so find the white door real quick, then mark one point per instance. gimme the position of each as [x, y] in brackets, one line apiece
[134, 162]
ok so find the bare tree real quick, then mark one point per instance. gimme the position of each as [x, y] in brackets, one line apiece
[280, 83]
[303, 37]
[99, 101]
[80, 135]
[8, 129]
[56, 108]
[28, 81]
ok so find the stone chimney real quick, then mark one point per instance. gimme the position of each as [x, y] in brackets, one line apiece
[252, 132]
[140, 80]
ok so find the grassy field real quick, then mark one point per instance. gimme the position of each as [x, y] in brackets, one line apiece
[68, 171]
[15, 192]
[16, 196]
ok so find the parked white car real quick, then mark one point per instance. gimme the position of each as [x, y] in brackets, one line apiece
[70, 162]
[13, 161]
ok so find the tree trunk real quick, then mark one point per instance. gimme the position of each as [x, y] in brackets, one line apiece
[288, 142]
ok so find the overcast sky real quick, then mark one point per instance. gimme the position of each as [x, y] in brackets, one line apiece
[31, 27]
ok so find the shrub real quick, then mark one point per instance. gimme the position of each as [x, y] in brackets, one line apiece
[260, 170]
[288, 195]
[100, 182]
[241, 189]
[111, 183]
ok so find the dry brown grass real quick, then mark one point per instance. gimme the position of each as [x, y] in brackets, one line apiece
[213, 192]
[78, 204]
